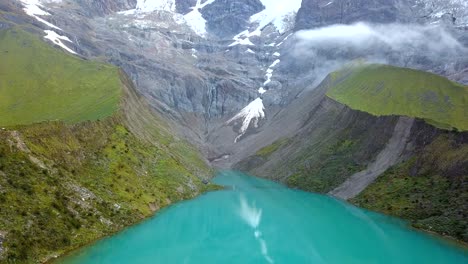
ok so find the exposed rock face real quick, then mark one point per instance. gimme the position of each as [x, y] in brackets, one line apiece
[317, 13]
[2, 249]
[105, 7]
[184, 6]
[388, 157]
[315, 139]
[226, 18]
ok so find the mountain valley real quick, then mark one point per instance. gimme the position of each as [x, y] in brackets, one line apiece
[113, 109]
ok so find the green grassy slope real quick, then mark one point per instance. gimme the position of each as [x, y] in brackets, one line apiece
[387, 90]
[430, 189]
[96, 178]
[39, 82]
[66, 183]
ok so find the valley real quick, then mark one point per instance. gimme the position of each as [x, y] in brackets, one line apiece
[112, 110]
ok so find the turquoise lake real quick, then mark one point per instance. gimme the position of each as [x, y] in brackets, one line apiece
[259, 221]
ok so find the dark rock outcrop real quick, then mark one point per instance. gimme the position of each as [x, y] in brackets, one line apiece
[317, 13]
[105, 7]
[226, 18]
[185, 6]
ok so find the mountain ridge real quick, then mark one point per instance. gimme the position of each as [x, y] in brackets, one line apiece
[72, 181]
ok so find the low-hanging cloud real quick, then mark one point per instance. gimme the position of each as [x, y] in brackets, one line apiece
[425, 47]
[393, 36]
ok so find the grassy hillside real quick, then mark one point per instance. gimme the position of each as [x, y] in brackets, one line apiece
[430, 189]
[387, 90]
[66, 183]
[71, 185]
[39, 82]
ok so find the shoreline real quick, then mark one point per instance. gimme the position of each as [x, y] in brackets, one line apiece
[213, 187]
[53, 258]
[448, 239]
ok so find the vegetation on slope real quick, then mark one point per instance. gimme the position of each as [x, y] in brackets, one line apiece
[268, 150]
[387, 90]
[334, 143]
[430, 189]
[39, 83]
[95, 179]
[66, 183]
[334, 165]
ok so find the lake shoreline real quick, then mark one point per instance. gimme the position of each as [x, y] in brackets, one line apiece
[55, 257]
[160, 238]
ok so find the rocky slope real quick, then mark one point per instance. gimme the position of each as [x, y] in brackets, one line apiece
[340, 147]
[317, 13]
[430, 187]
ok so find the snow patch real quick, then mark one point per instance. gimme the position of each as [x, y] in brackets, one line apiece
[276, 54]
[253, 112]
[57, 39]
[246, 42]
[152, 5]
[194, 53]
[261, 90]
[34, 9]
[275, 12]
[195, 19]
[243, 38]
[269, 72]
[268, 75]
[275, 63]
[250, 51]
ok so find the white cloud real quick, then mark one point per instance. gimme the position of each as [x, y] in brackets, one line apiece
[327, 49]
[394, 36]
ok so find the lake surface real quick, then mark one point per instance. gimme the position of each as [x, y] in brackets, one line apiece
[259, 221]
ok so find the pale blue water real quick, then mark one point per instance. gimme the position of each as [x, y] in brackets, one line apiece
[258, 221]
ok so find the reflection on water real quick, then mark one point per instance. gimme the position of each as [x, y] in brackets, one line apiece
[258, 221]
[252, 216]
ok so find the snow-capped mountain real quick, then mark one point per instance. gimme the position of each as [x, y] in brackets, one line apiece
[278, 13]
[223, 67]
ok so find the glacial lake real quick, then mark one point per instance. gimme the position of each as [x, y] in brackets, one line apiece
[259, 221]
